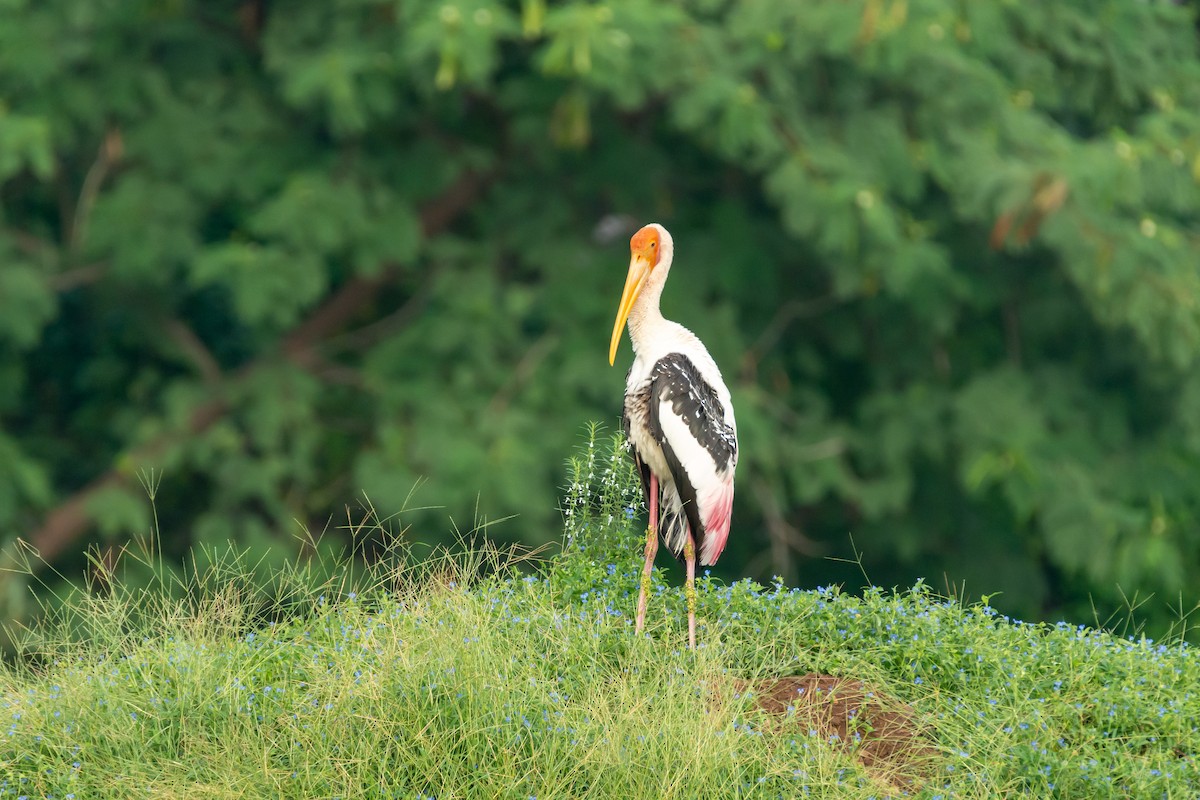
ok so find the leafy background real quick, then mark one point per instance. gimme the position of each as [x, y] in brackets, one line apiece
[291, 256]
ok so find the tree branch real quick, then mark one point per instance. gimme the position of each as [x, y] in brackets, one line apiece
[784, 537]
[79, 276]
[30, 244]
[785, 316]
[383, 327]
[69, 520]
[195, 350]
[525, 368]
[356, 293]
[110, 152]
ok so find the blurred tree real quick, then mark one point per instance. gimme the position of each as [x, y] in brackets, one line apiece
[288, 254]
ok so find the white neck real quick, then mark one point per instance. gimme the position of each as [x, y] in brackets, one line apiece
[645, 318]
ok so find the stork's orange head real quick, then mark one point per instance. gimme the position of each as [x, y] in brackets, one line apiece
[647, 245]
[649, 248]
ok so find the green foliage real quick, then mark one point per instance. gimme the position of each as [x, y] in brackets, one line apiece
[945, 253]
[602, 499]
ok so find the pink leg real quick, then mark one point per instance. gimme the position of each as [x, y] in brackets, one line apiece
[689, 591]
[651, 551]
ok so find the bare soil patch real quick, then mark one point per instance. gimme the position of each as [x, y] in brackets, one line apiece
[884, 734]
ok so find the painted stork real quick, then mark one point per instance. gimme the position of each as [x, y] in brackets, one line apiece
[678, 420]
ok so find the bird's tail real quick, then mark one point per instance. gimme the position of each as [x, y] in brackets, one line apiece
[672, 521]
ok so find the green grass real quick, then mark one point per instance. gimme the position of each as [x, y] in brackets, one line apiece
[462, 678]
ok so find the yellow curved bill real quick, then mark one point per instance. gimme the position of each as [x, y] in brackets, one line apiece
[639, 270]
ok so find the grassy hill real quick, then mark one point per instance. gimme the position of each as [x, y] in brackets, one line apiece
[513, 688]
[462, 678]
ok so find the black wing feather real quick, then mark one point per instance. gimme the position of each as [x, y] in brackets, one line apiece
[675, 380]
